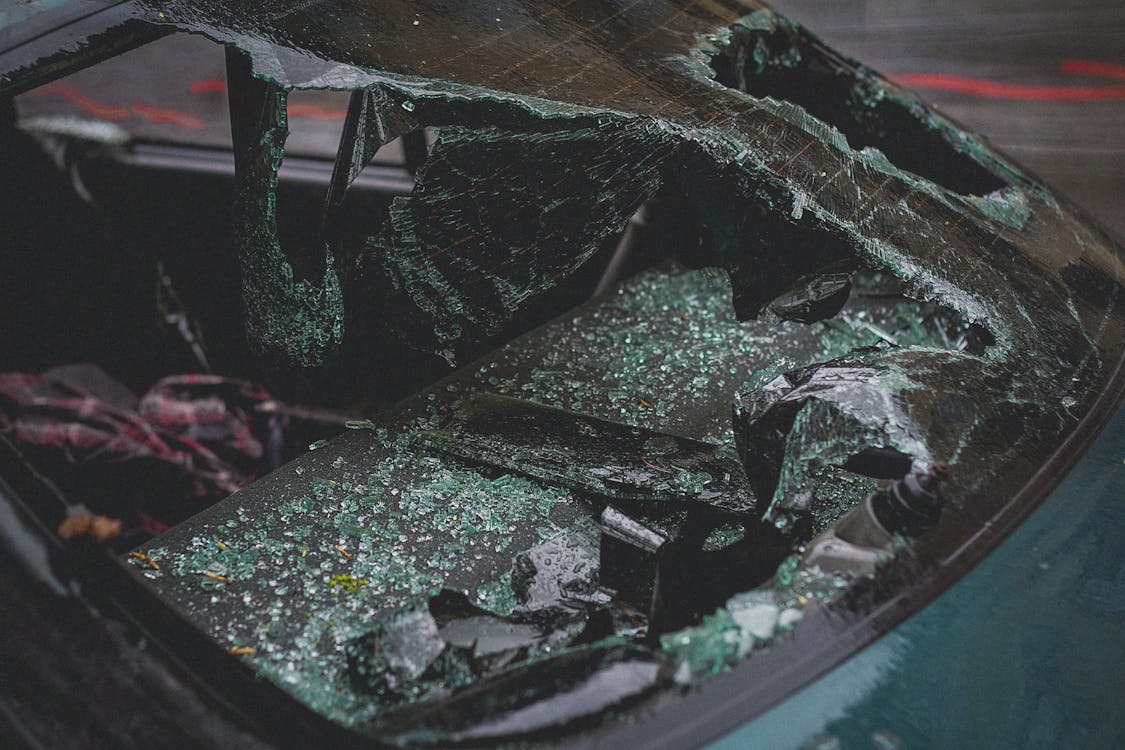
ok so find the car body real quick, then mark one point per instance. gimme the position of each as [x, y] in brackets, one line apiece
[987, 641]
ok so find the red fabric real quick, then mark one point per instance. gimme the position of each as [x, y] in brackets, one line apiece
[202, 424]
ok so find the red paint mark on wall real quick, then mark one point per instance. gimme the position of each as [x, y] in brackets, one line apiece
[1093, 68]
[175, 117]
[209, 85]
[83, 102]
[295, 109]
[1012, 91]
[1022, 92]
[168, 116]
[314, 112]
[105, 111]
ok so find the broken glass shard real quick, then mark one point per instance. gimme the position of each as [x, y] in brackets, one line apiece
[561, 571]
[527, 700]
[630, 559]
[427, 651]
[813, 298]
[603, 458]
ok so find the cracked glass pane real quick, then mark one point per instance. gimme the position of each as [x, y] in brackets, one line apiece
[898, 327]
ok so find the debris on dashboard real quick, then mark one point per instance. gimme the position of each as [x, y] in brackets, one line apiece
[417, 516]
[82, 523]
[212, 431]
[152, 458]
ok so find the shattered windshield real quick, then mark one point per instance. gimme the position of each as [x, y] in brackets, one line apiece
[872, 331]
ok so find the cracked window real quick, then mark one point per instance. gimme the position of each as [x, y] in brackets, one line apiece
[749, 344]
